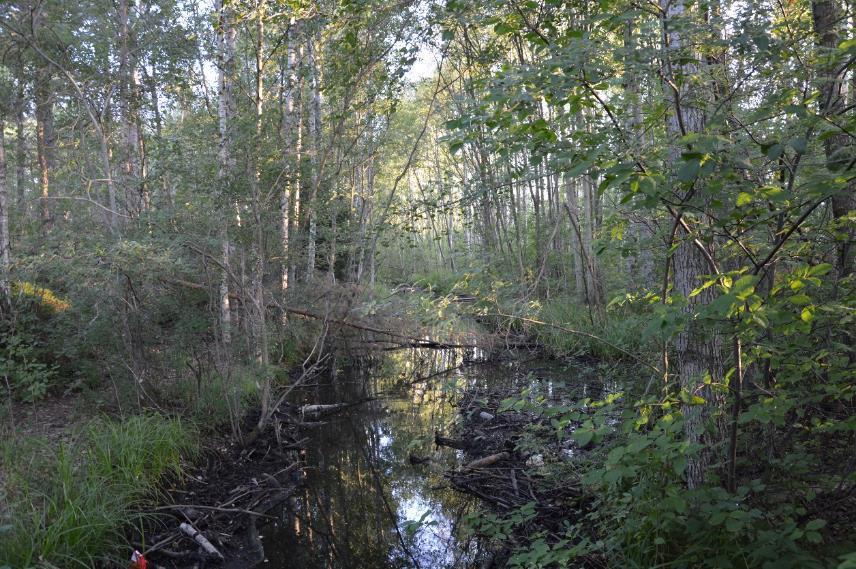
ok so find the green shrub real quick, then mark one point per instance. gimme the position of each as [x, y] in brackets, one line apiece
[21, 368]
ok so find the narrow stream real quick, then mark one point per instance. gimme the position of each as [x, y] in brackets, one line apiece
[375, 495]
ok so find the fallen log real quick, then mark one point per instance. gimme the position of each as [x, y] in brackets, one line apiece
[441, 441]
[200, 539]
[487, 460]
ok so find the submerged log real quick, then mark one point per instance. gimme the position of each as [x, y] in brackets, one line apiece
[314, 410]
[200, 539]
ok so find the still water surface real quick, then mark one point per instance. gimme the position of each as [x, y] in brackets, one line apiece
[365, 503]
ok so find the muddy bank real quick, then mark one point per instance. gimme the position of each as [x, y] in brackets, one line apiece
[225, 496]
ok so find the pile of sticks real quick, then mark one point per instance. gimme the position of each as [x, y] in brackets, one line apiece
[240, 485]
[505, 478]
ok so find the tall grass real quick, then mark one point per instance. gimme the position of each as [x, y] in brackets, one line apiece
[69, 508]
[620, 326]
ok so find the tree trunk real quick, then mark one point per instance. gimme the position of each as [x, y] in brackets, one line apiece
[314, 154]
[699, 354]
[592, 273]
[838, 147]
[259, 315]
[5, 245]
[290, 163]
[136, 193]
[44, 141]
[572, 204]
[20, 140]
[225, 158]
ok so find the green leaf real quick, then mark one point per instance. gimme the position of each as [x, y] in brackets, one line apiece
[815, 525]
[744, 198]
[689, 170]
[502, 29]
[819, 269]
[615, 454]
[680, 465]
[774, 152]
[799, 144]
[583, 436]
[800, 299]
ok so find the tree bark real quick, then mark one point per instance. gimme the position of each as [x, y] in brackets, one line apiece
[44, 141]
[314, 154]
[290, 164]
[572, 204]
[699, 354]
[225, 157]
[838, 147]
[20, 139]
[5, 245]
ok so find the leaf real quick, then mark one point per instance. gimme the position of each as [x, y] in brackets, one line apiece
[615, 454]
[815, 525]
[680, 465]
[689, 171]
[774, 152]
[612, 476]
[583, 436]
[799, 144]
[800, 299]
[819, 269]
[502, 29]
[744, 198]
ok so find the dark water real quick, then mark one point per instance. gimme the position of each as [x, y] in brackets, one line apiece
[365, 505]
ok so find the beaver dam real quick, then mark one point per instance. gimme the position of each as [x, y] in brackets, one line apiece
[384, 463]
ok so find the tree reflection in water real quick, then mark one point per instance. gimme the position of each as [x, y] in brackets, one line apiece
[365, 505]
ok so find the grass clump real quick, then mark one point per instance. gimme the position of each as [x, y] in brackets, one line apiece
[69, 506]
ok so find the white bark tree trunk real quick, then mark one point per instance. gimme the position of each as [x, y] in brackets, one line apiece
[225, 158]
[291, 166]
[314, 154]
[5, 245]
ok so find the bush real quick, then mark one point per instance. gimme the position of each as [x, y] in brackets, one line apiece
[23, 364]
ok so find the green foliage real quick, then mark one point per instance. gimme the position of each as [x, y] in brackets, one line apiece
[647, 517]
[70, 507]
[26, 376]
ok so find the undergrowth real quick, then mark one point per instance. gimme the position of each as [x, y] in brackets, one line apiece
[69, 508]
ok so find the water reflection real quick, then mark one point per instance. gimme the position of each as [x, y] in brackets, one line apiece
[366, 504]
[375, 495]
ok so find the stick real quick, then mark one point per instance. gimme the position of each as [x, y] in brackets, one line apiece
[194, 534]
[212, 508]
[487, 461]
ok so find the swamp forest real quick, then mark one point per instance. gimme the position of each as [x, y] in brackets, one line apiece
[328, 284]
